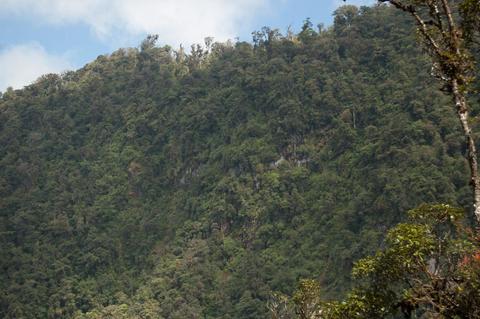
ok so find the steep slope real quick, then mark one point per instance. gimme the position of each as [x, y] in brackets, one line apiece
[151, 183]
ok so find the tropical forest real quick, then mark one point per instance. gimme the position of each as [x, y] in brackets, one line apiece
[326, 173]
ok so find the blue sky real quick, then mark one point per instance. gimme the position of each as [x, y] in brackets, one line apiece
[44, 36]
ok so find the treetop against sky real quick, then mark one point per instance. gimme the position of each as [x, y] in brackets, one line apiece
[38, 37]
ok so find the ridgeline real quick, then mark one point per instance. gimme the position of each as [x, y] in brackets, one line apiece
[157, 184]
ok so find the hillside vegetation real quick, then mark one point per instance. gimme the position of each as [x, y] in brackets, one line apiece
[157, 184]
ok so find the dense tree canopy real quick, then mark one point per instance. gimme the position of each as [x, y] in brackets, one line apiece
[448, 29]
[152, 183]
[430, 268]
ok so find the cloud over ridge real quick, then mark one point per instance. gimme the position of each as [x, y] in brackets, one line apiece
[22, 64]
[176, 21]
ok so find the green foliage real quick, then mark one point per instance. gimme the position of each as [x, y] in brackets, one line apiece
[421, 272]
[307, 299]
[155, 183]
[470, 12]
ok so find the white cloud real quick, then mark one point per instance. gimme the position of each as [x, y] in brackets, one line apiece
[23, 64]
[338, 3]
[176, 21]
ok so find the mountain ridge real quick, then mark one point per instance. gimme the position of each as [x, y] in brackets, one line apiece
[155, 183]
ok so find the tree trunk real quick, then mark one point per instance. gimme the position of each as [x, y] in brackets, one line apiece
[462, 112]
[445, 41]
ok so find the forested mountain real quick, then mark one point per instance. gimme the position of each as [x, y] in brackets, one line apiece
[157, 184]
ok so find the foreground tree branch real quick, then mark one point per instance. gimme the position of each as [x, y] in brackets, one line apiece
[445, 41]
